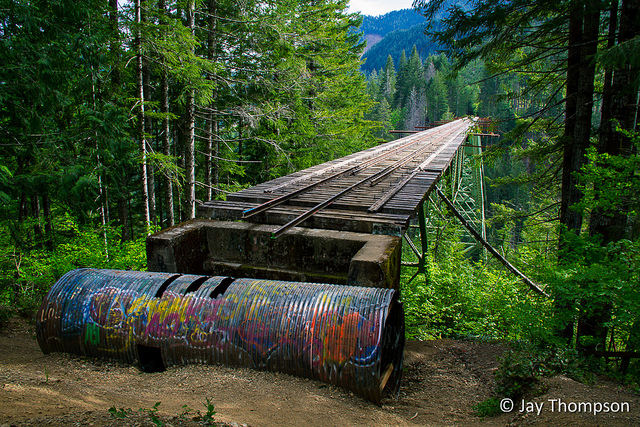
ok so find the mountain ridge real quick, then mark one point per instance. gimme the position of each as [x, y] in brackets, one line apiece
[376, 28]
[399, 30]
[392, 33]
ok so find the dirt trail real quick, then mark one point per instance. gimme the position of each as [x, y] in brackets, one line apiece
[442, 381]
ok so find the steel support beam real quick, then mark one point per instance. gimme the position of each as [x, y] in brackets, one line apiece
[466, 187]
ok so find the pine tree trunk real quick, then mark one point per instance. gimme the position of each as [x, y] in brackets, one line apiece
[216, 153]
[625, 81]
[22, 204]
[207, 158]
[599, 222]
[35, 214]
[165, 133]
[606, 127]
[620, 93]
[148, 129]
[103, 213]
[46, 210]
[22, 207]
[583, 36]
[166, 149]
[209, 162]
[114, 48]
[190, 190]
[181, 137]
[123, 213]
[582, 44]
[570, 193]
[152, 193]
[592, 319]
[115, 42]
[141, 118]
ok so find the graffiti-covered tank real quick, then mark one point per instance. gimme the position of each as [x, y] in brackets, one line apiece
[349, 336]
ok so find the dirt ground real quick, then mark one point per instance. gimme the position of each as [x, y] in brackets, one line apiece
[442, 381]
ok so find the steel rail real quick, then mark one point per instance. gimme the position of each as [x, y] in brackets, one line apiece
[406, 159]
[374, 160]
[318, 207]
[417, 152]
[402, 161]
[347, 190]
[383, 156]
[389, 147]
[400, 185]
[279, 200]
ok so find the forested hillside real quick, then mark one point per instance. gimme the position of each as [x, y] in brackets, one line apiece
[392, 21]
[418, 91]
[400, 30]
[375, 28]
[394, 43]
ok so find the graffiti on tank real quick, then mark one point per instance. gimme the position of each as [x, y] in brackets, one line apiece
[114, 318]
[92, 334]
[330, 334]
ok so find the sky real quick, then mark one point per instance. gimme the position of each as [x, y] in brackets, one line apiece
[378, 7]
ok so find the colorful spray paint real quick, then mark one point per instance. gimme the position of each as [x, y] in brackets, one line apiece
[349, 336]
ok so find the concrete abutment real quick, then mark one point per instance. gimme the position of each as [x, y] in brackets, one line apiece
[239, 249]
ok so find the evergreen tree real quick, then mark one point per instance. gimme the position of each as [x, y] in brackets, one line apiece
[555, 46]
[416, 106]
[140, 103]
[56, 115]
[437, 98]
[415, 77]
[401, 81]
[388, 84]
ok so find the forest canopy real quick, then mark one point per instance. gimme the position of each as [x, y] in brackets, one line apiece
[118, 118]
[100, 100]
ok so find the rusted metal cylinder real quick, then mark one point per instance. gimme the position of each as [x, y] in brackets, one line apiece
[349, 336]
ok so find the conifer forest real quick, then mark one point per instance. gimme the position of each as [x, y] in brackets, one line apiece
[117, 118]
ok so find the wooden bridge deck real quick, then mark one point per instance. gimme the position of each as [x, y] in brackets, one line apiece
[377, 190]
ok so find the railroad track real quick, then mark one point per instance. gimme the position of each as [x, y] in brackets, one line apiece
[390, 179]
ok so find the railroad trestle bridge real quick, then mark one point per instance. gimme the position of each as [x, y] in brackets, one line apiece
[378, 195]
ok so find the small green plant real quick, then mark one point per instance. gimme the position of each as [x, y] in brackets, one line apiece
[153, 414]
[517, 374]
[119, 413]
[207, 417]
[186, 412]
[488, 408]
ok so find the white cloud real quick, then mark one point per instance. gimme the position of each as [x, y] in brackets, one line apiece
[378, 7]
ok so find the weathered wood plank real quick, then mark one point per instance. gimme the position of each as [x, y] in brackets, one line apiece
[411, 167]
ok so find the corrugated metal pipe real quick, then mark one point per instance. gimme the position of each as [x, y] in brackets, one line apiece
[349, 336]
